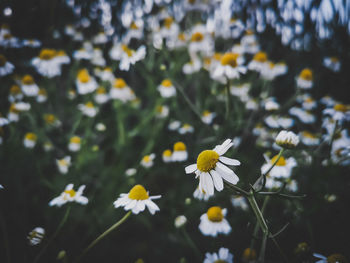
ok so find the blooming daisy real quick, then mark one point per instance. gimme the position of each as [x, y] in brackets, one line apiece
[130, 171]
[74, 144]
[121, 91]
[186, 128]
[36, 236]
[305, 79]
[174, 125]
[223, 256]
[82, 53]
[338, 112]
[167, 89]
[193, 66]
[304, 116]
[179, 152]
[5, 66]
[42, 95]
[211, 168]
[126, 55]
[334, 258]
[166, 156]
[147, 160]
[13, 114]
[30, 140]
[309, 139]
[15, 93]
[230, 67]
[249, 255]
[101, 95]
[213, 222]
[46, 64]
[70, 195]
[88, 109]
[162, 111]
[200, 41]
[100, 38]
[85, 83]
[259, 62]
[208, 117]
[97, 58]
[106, 74]
[201, 195]
[63, 164]
[332, 63]
[48, 146]
[28, 86]
[136, 200]
[240, 91]
[282, 169]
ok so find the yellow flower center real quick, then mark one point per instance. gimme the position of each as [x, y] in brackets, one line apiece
[229, 59]
[181, 37]
[336, 258]
[2, 60]
[15, 89]
[197, 37]
[62, 162]
[61, 53]
[13, 109]
[281, 161]
[138, 192]
[75, 139]
[47, 54]
[70, 192]
[206, 113]
[207, 160]
[220, 261]
[179, 146]
[186, 126]
[127, 50]
[168, 22]
[309, 135]
[49, 118]
[166, 83]
[334, 59]
[159, 109]
[31, 136]
[309, 100]
[119, 83]
[249, 254]
[215, 214]
[306, 74]
[89, 105]
[340, 107]
[101, 90]
[83, 76]
[27, 80]
[167, 153]
[108, 69]
[191, 1]
[42, 92]
[133, 26]
[260, 57]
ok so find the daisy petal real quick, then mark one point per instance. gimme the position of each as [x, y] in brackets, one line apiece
[209, 183]
[191, 168]
[224, 168]
[218, 183]
[231, 178]
[229, 161]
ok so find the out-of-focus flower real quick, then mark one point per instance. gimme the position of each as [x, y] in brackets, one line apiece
[121, 91]
[213, 222]
[201, 194]
[230, 67]
[282, 169]
[70, 195]
[339, 112]
[223, 255]
[208, 117]
[97, 58]
[304, 116]
[106, 74]
[259, 62]
[5, 66]
[332, 63]
[166, 156]
[130, 172]
[100, 38]
[334, 258]
[126, 55]
[47, 146]
[46, 64]
[211, 168]
[52, 120]
[101, 95]
[167, 89]
[240, 202]
[15, 94]
[63, 164]
[180, 221]
[305, 79]
[30, 140]
[100, 127]
[36, 236]
[186, 128]
[309, 138]
[249, 255]
[74, 144]
[136, 200]
[42, 95]
[194, 65]
[174, 125]
[179, 152]
[287, 139]
[88, 109]
[162, 111]
[147, 160]
[28, 86]
[201, 41]
[85, 83]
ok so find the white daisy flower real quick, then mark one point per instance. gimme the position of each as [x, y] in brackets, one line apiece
[179, 152]
[88, 109]
[230, 67]
[126, 55]
[174, 125]
[42, 96]
[201, 195]
[30, 140]
[101, 95]
[46, 64]
[223, 256]
[211, 168]
[130, 172]
[147, 160]
[166, 156]
[5, 66]
[28, 86]
[287, 139]
[309, 138]
[136, 200]
[208, 117]
[70, 195]
[167, 89]
[193, 66]
[334, 258]
[74, 144]
[259, 62]
[213, 222]
[3, 121]
[201, 41]
[240, 202]
[121, 91]
[338, 112]
[180, 221]
[100, 38]
[305, 79]
[332, 63]
[162, 111]
[304, 116]
[36, 236]
[240, 91]
[97, 58]
[186, 128]
[85, 83]
[106, 74]
[282, 169]
[15, 94]
[63, 164]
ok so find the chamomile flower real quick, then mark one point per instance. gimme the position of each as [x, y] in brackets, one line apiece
[101, 95]
[223, 256]
[309, 139]
[180, 221]
[304, 116]
[200, 41]
[42, 95]
[332, 63]
[15, 94]
[166, 156]
[48, 146]
[305, 79]
[338, 112]
[13, 115]
[97, 58]
[186, 128]
[3, 121]
[5, 66]
[147, 160]
[213, 222]
[74, 144]
[179, 152]
[130, 172]
[193, 66]
[121, 91]
[201, 194]
[167, 89]
[88, 109]
[240, 202]
[46, 64]
[249, 255]
[162, 111]
[36, 236]
[241, 91]
[30, 140]
[174, 125]
[82, 53]
[70, 195]
[259, 62]
[100, 38]
[106, 74]
[287, 139]
[126, 55]
[63, 164]
[282, 169]
[334, 258]
[208, 117]
[137, 200]
[230, 67]
[28, 86]
[85, 83]
[211, 168]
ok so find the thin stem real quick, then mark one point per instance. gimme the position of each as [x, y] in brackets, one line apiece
[227, 88]
[237, 189]
[275, 162]
[109, 230]
[190, 242]
[256, 228]
[63, 221]
[263, 248]
[285, 258]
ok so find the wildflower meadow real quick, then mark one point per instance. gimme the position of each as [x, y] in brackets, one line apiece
[212, 131]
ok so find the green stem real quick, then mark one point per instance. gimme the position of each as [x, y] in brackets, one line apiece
[274, 163]
[63, 221]
[190, 242]
[227, 100]
[109, 230]
[256, 228]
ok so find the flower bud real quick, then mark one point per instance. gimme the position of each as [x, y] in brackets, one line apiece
[180, 221]
[287, 139]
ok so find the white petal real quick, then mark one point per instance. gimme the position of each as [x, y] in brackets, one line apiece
[209, 184]
[131, 205]
[224, 168]
[229, 161]
[218, 183]
[191, 168]
[231, 178]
